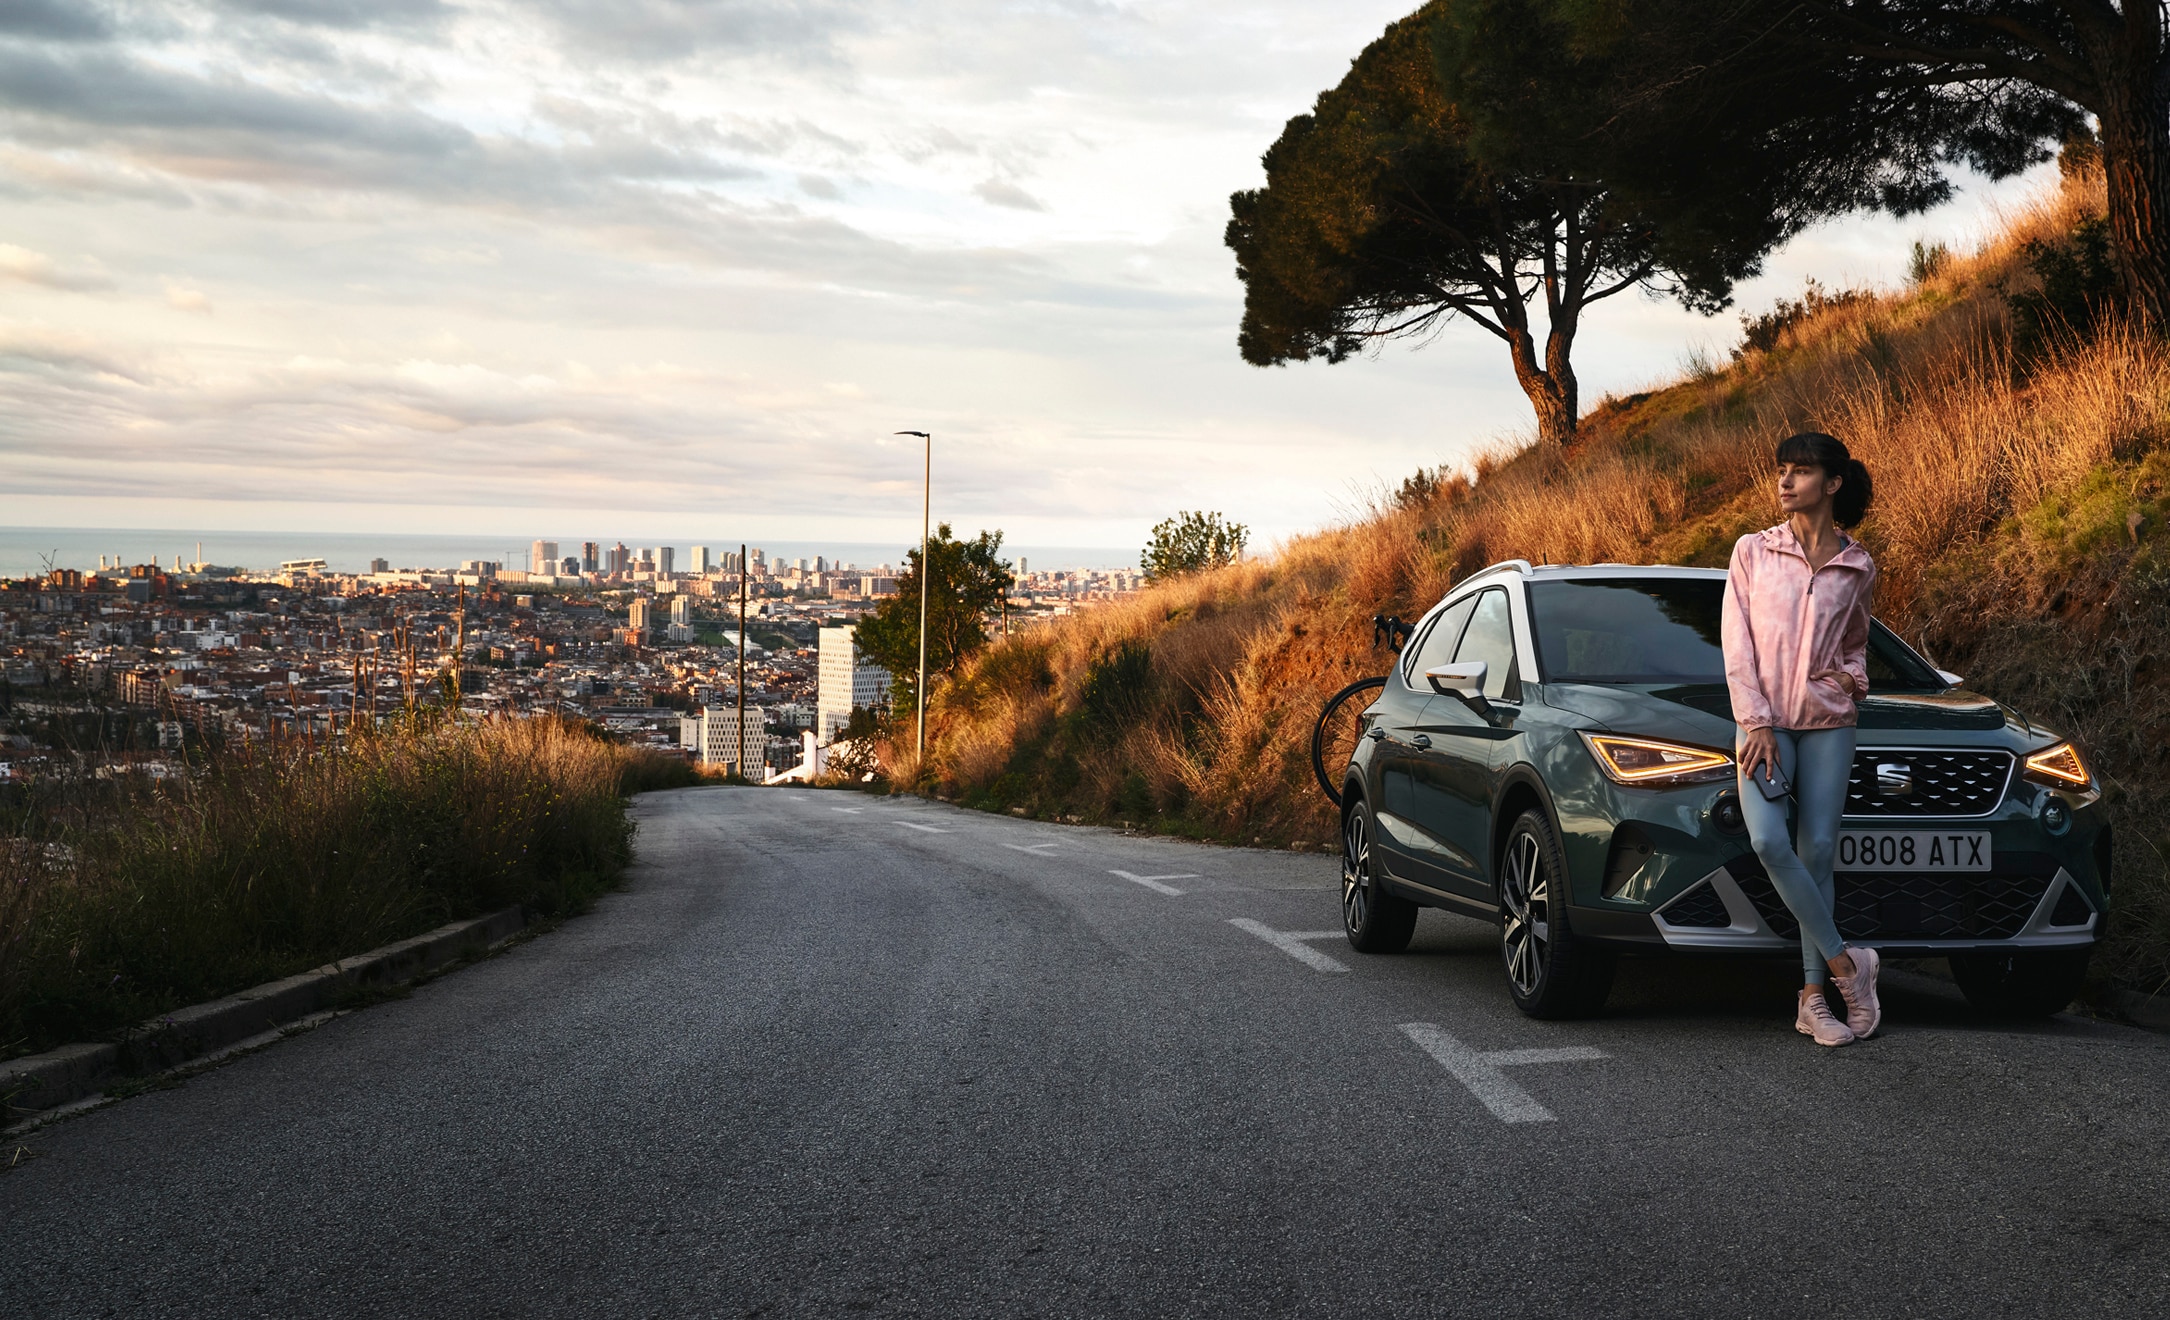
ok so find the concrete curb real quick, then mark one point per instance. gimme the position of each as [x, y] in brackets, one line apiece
[43, 1082]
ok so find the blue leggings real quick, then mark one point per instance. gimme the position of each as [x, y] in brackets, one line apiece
[1817, 763]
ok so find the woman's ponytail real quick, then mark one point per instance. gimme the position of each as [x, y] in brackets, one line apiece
[1851, 503]
[1815, 449]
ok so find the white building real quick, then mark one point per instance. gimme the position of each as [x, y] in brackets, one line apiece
[542, 557]
[701, 563]
[846, 680]
[716, 737]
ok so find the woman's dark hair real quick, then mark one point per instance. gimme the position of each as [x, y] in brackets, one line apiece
[1815, 449]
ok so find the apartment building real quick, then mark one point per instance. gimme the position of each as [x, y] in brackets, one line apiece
[846, 679]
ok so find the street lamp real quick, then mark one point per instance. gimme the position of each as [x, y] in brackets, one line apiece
[926, 505]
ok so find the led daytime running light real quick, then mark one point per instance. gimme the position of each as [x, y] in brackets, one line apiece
[2060, 765]
[1648, 761]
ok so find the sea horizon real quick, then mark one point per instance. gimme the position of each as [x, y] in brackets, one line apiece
[24, 550]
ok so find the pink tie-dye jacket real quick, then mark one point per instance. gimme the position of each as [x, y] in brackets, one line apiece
[1784, 623]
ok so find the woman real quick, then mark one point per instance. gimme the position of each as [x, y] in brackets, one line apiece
[1796, 639]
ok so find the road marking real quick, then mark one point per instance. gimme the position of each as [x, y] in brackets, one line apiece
[1153, 882]
[1481, 1072]
[849, 811]
[1291, 942]
[1036, 849]
[915, 825]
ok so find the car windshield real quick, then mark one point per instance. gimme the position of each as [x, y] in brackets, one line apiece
[1666, 630]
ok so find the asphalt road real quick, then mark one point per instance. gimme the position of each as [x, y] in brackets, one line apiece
[829, 1054]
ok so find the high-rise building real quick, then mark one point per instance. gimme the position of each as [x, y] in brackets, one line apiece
[376, 565]
[664, 556]
[568, 567]
[637, 617]
[542, 557]
[846, 680]
[760, 558]
[621, 560]
[724, 741]
[700, 563]
[681, 609]
[821, 563]
[591, 557]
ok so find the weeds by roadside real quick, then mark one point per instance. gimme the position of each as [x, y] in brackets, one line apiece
[123, 899]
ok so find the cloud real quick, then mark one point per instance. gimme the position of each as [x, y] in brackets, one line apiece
[185, 299]
[54, 20]
[1001, 192]
[30, 267]
[667, 30]
[347, 13]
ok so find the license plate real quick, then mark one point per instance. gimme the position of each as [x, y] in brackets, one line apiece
[1913, 850]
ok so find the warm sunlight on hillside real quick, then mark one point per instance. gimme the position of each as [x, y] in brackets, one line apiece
[2020, 472]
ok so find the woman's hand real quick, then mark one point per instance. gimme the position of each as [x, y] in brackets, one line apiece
[1759, 747]
[1840, 679]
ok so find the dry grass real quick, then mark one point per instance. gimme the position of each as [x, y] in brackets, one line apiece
[119, 900]
[2006, 490]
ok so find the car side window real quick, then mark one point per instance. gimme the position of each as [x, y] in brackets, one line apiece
[1490, 638]
[1436, 646]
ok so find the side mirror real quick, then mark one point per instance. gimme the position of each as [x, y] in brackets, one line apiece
[1465, 680]
[1950, 677]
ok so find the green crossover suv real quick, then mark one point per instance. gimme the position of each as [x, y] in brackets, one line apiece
[1553, 752]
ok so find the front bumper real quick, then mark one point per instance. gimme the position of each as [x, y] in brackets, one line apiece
[2028, 902]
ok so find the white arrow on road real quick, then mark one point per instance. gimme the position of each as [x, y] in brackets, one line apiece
[1482, 1072]
[1153, 882]
[1291, 942]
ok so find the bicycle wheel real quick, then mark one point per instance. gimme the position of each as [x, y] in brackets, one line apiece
[1333, 738]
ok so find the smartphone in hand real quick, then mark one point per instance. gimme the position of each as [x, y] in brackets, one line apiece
[1771, 781]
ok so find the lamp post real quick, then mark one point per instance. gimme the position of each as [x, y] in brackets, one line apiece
[926, 505]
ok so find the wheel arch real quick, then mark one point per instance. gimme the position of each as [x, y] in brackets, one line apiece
[1519, 791]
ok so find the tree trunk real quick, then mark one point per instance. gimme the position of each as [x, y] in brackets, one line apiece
[2135, 119]
[1551, 393]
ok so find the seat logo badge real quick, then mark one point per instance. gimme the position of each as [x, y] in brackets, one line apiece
[1895, 779]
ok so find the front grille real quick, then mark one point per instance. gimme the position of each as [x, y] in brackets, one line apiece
[1963, 783]
[1700, 906]
[1954, 905]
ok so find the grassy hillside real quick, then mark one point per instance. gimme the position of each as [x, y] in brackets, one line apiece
[2022, 475]
[124, 898]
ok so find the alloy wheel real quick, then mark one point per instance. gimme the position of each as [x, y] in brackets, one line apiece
[1525, 892]
[1356, 879]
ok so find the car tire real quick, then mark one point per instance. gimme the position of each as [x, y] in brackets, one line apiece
[1375, 921]
[2021, 985]
[1550, 973]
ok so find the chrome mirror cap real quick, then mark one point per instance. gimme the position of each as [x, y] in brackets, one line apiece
[1462, 680]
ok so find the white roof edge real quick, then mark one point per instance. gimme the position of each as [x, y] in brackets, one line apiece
[1623, 570]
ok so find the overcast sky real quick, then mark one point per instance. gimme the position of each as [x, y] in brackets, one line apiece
[539, 268]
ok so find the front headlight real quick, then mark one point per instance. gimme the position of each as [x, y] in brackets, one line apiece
[2059, 767]
[1648, 763]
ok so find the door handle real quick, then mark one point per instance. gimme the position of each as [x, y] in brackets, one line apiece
[1378, 735]
[1422, 740]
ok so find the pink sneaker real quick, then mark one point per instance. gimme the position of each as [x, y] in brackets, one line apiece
[1863, 1013]
[1814, 1019]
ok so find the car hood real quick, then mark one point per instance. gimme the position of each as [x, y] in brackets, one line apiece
[1703, 713]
